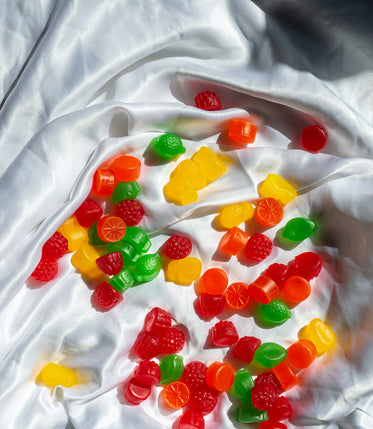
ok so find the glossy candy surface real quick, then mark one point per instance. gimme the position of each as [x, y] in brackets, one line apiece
[242, 131]
[307, 265]
[147, 372]
[302, 353]
[314, 138]
[210, 305]
[269, 212]
[237, 295]
[258, 247]
[53, 375]
[281, 410]
[127, 250]
[194, 374]
[111, 228]
[103, 182]
[242, 385]
[56, 246]
[203, 400]
[247, 413]
[138, 238]
[233, 241]
[264, 395]
[146, 346]
[106, 297]
[147, 267]
[190, 171]
[207, 100]
[296, 289]
[171, 341]
[183, 271]
[278, 273]
[125, 191]
[131, 211]
[178, 247]
[122, 281]
[264, 289]
[75, 234]
[270, 354]
[245, 348]
[191, 420]
[157, 320]
[126, 168]
[211, 166]
[274, 186]
[273, 314]
[180, 191]
[172, 367]
[285, 375]
[168, 146]
[88, 213]
[46, 269]
[176, 394]
[111, 263]
[220, 376]
[84, 259]
[136, 392]
[235, 214]
[223, 334]
[213, 281]
[298, 229]
[320, 335]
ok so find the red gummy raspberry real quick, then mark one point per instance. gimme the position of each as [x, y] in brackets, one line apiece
[106, 297]
[258, 247]
[56, 246]
[210, 305]
[194, 374]
[272, 424]
[171, 341]
[146, 346]
[269, 377]
[191, 420]
[264, 395]
[207, 100]
[281, 410]
[245, 348]
[203, 400]
[178, 247]
[223, 334]
[88, 213]
[147, 372]
[157, 320]
[131, 211]
[307, 265]
[279, 273]
[46, 269]
[110, 264]
[136, 392]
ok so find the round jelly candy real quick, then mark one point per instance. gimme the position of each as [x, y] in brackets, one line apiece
[106, 297]
[264, 396]
[203, 400]
[46, 269]
[281, 410]
[111, 228]
[191, 420]
[183, 271]
[242, 131]
[178, 247]
[314, 138]
[285, 375]
[88, 213]
[126, 168]
[272, 424]
[157, 320]
[111, 263]
[273, 314]
[136, 392]
[146, 346]
[237, 295]
[56, 246]
[171, 341]
[103, 182]
[307, 265]
[245, 348]
[210, 305]
[264, 289]
[278, 273]
[269, 212]
[125, 191]
[220, 376]
[213, 281]
[302, 353]
[194, 374]
[176, 394]
[298, 229]
[320, 334]
[233, 241]
[296, 289]
[168, 146]
[270, 354]
[258, 247]
[147, 372]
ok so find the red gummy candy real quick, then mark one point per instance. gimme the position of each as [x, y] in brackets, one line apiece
[88, 213]
[307, 265]
[146, 346]
[157, 320]
[203, 400]
[135, 392]
[131, 211]
[147, 372]
[56, 246]
[210, 305]
[46, 269]
[177, 247]
[191, 420]
[171, 341]
[279, 273]
[245, 348]
[314, 138]
[207, 100]
[223, 334]
[110, 264]
[194, 374]
[272, 424]
[258, 247]
[269, 377]
[264, 395]
[281, 410]
[106, 296]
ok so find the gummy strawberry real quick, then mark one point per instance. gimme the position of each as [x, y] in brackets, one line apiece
[178, 247]
[279, 273]
[106, 296]
[207, 100]
[46, 269]
[258, 247]
[203, 400]
[245, 348]
[264, 395]
[281, 410]
[147, 372]
[171, 341]
[269, 377]
[88, 213]
[223, 334]
[56, 246]
[191, 420]
[307, 265]
[146, 346]
[194, 374]
[210, 305]
[131, 211]
[157, 320]
[111, 263]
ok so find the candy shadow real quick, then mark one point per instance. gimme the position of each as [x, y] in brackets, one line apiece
[31, 283]
[120, 392]
[226, 144]
[152, 158]
[283, 242]
[221, 257]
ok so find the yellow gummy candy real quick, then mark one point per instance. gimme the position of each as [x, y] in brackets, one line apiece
[75, 234]
[94, 274]
[320, 334]
[183, 271]
[209, 163]
[180, 191]
[84, 259]
[191, 171]
[275, 186]
[53, 375]
[235, 214]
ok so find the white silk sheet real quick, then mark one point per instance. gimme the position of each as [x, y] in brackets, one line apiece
[82, 81]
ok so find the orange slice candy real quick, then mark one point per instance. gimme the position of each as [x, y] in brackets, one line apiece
[176, 394]
[111, 228]
[237, 295]
[269, 212]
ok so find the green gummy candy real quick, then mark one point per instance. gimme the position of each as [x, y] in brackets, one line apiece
[147, 267]
[122, 281]
[249, 414]
[129, 254]
[125, 191]
[172, 368]
[93, 238]
[138, 238]
[298, 229]
[242, 385]
[168, 146]
[270, 355]
[273, 314]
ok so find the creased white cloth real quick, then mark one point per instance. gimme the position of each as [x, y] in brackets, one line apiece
[82, 81]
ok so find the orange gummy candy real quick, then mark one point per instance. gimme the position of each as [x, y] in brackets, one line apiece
[285, 375]
[233, 241]
[296, 289]
[126, 168]
[176, 394]
[302, 353]
[220, 376]
[213, 281]
[264, 289]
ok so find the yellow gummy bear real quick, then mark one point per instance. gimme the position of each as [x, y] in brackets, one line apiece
[320, 334]
[75, 234]
[180, 191]
[235, 214]
[183, 271]
[84, 259]
[209, 163]
[191, 171]
[275, 186]
[53, 375]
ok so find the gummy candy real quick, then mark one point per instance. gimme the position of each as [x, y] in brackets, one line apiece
[131, 211]
[242, 131]
[53, 375]
[176, 394]
[168, 146]
[128, 252]
[258, 247]
[194, 374]
[172, 368]
[247, 413]
[75, 234]
[307, 265]
[296, 289]
[278, 273]
[302, 353]
[136, 392]
[88, 213]
[220, 376]
[84, 259]
[245, 348]
[125, 191]
[223, 334]
[106, 296]
[269, 212]
[147, 267]
[264, 396]
[269, 377]
[111, 228]
[126, 168]
[209, 163]
[213, 281]
[275, 186]
[111, 263]
[157, 320]
[93, 238]
[178, 247]
[233, 241]
[270, 354]
[298, 229]
[319, 334]
[285, 375]
[273, 314]
[46, 269]
[171, 341]
[191, 420]
[207, 100]
[281, 410]
[235, 214]
[242, 385]
[179, 190]
[56, 246]
[237, 295]
[146, 346]
[183, 271]
[147, 372]
[103, 182]
[264, 289]
[272, 424]
[138, 238]
[203, 400]
[314, 138]
[210, 305]
[122, 281]
[189, 170]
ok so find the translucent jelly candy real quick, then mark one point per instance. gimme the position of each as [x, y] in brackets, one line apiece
[128, 252]
[46, 269]
[264, 396]
[93, 238]
[235, 214]
[203, 400]
[75, 234]
[319, 334]
[126, 168]
[171, 341]
[269, 354]
[278, 273]
[136, 392]
[131, 211]
[194, 374]
[301, 354]
[125, 191]
[275, 186]
[223, 334]
[178, 247]
[247, 413]
[269, 212]
[273, 314]
[111, 263]
[285, 375]
[191, 420]
[210, 305]
[176, 394]
[190, 170]
[237, 295]
[106, 297]
[209, 163]
[264, 289]
[220, 376]
[53, 375]
[122, 281]
[168, 146]
[84, 259]
[183, 271]
[147, 267]
[242, 385]
[111, 228]
[307, 265]
[296, 289]
[172, 368]
[180, 191]
[258, 247]
[207, 100]
[272, 424]
[269, 377]
[233, 241]
[298, 229]
[157, 320]
[56, 246]
[213, 281]
[281, 410]
[146, 346]
[314, 138]
[245, 348]
[103, 182]
[147, 372]
[88, 213]
[137, 237]
[242, 131]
